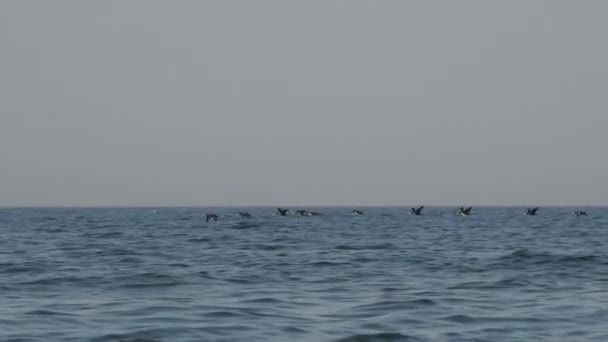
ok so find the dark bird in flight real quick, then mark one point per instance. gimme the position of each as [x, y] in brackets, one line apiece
[282, 212]
[245, 215]
[465, 211]
[417, 211]
[304, 212]
[580, 213]
[357, 212]
[531, 211]
[211, 217]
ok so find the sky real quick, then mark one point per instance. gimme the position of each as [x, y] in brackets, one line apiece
[146, 103]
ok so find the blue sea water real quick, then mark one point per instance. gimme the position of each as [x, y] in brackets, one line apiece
[164, 274]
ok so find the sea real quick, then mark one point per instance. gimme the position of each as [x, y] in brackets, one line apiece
[165, 274]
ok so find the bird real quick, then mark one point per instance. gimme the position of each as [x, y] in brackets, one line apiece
[304, 212]
[465, 211]
[531, 211]
[417, 211]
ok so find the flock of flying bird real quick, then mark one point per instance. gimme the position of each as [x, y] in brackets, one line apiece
[414, 211]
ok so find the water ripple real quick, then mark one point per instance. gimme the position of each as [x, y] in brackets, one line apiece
[163, 274]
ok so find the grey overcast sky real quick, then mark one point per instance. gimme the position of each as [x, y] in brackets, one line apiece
[303, 102]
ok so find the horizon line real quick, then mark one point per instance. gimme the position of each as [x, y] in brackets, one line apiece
[102, 206]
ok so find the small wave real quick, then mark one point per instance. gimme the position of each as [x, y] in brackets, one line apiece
[124, 338]
[108, 235]
[264, 247]
[294, 330]
[362, 260]
[223, 330]
[382, 337]
[394, 305]
[18, 339]
[245, 225]
[116, 252]
[380, 246]
[330, 280]
[266, 300]
[171, 330]
[146, 280]
[199, 240]
[383, 308]
[492, 285]
[249, 280]
[225, 314]
[48, 313]
[205, 275]
[460, 319]
[131, 260]
[67, 280]
[577, 333]
[50, 230]
[524, 256]
[26, 267]
[374, 326]
[328, 263]
[94, 225]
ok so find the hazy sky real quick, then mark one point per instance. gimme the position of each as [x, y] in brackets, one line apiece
[307, 102]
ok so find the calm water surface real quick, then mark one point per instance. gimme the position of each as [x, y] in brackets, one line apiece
[163, 274]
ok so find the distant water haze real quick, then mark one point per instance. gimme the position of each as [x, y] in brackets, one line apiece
[325, 103]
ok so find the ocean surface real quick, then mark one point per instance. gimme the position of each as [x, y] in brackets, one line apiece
[164, 274]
